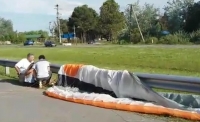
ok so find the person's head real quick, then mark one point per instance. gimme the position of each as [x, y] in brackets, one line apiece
[41, 57]
[30, 57]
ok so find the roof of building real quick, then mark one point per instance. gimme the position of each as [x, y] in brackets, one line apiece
[33, 36]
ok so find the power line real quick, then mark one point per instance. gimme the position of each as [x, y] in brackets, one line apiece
[58, 22]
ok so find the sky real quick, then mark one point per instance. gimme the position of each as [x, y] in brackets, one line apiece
[28, 15]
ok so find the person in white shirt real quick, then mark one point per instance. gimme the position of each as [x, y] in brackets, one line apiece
[42, 70]
[23, 68]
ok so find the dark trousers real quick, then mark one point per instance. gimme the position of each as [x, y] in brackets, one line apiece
[45, 80]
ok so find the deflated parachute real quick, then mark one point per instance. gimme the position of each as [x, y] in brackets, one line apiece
[114, 89]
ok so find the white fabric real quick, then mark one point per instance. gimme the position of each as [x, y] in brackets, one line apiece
[42, 68]
[76, 94]
[23, 64]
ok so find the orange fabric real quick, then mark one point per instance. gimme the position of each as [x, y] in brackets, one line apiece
[133, 108]
[72, 69]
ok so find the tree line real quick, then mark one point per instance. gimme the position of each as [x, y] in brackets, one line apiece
[177, 23]
[7, 33]
[179, 18]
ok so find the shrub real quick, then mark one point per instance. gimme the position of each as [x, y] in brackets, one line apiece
[151, 40]
[195, 37]
[176, 38]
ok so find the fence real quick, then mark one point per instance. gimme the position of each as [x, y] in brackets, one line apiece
[171, 82]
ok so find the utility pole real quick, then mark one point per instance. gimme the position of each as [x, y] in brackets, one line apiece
[135, 16]
[50, 29]
[58, 23]
[75, 34]
[130, 23]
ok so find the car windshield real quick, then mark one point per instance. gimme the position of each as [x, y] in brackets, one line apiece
[50, 42]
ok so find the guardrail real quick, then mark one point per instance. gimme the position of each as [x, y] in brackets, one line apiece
[171, 82]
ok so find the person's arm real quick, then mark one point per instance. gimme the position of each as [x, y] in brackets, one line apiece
[18, 66]
[17, 70]
[29, 72]
[48, 67]
[30, 69]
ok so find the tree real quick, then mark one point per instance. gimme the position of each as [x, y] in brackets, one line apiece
[147, 16]
[176, 11]
[6, 27]
[112, 21]
[21, 38]
[193, 19]
[63, 27]
[39, 32]
[84, 19]
[164, 22]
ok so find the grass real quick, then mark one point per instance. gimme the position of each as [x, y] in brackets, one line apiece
[176, 61]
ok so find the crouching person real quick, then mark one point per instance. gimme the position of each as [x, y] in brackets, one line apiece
[42, 71]
[24, 69]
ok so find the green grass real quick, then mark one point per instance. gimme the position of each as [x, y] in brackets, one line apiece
[178, 61]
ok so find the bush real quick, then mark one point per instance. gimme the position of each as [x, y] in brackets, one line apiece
[176, 38]
[195, 37]
[151, 40]
[123, 42]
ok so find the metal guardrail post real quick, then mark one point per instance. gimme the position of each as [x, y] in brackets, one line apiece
[6, 66]
[7, 70]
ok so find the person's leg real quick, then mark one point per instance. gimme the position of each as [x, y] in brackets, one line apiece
[30, 77]
[49, 78]
[44, 81]
[34, 74]
[21, 78]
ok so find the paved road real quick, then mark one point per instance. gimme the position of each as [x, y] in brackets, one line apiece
[23, 104]
[93, 45]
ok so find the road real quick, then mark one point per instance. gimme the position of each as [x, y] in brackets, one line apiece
[93, 45]
[24, 104]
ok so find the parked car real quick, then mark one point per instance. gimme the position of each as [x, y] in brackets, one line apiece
[49, 44]
[28, 42]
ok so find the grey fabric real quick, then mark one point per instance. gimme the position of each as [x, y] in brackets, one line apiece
[185, 100]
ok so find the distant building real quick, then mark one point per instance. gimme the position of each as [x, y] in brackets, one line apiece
[38, 37]
[68, 36]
